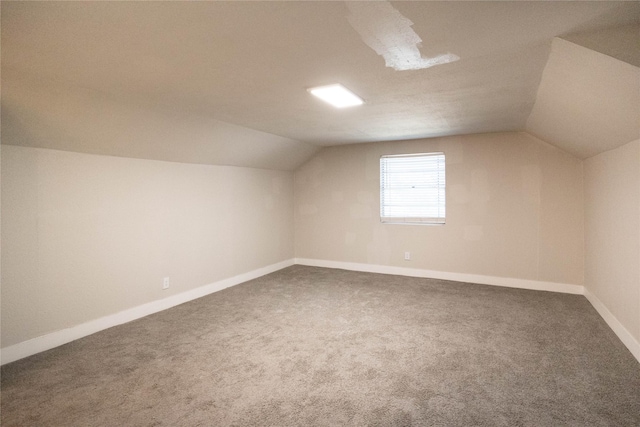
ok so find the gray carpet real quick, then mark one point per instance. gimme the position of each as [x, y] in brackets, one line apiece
[320, 347]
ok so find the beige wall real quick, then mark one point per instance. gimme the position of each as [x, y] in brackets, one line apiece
[84, 236]
[612, 229]
[514, 209]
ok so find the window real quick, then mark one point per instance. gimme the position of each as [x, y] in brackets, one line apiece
[412, 189]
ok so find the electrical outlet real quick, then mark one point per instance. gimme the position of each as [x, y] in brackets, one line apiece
[165, 283]
[407, 256]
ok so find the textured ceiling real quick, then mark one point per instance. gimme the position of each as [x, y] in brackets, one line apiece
[158, 77]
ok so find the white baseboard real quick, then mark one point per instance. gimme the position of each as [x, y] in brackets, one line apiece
[625, 336]
[58, 338]
[55, 339]
[458, 277]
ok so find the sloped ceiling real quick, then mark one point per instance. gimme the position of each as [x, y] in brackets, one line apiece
[622, 43]
[66, 117]
[587, 102]
[225, 82]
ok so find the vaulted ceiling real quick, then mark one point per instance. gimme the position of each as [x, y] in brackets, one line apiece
[225, 82]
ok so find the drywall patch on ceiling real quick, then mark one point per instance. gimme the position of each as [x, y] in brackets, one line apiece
[385, 30]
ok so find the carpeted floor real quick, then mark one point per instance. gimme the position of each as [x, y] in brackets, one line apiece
[310, 346]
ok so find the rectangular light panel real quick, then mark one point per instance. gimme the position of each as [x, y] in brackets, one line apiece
[336, 95]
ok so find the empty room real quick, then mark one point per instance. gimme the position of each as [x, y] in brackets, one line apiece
[320, 213]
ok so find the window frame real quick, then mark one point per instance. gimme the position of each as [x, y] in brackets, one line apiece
[440, 189]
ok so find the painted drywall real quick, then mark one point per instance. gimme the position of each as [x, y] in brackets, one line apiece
[46, 114]
[514, 209]
[612, 232]
[618, 42]
[249, 62]
[85, 236]
[587, 102]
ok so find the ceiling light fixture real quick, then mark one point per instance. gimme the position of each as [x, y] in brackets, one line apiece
[336, 95]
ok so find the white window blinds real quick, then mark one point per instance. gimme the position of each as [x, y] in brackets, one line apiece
[412, 188]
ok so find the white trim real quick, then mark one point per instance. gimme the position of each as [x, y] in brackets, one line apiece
[58, 338]
[458, 277]
[623, 334]
[618, 328]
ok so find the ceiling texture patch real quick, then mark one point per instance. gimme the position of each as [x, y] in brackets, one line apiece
[385, 30]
